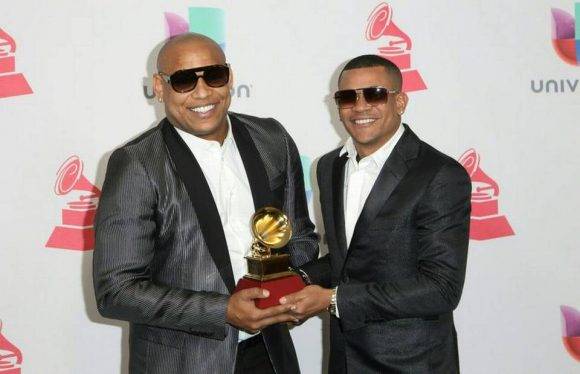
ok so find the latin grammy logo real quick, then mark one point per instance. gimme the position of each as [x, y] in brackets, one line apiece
[11, 83]
[78, 217]
[571, 330]
[397, 48]
[486, 223]
[10, 356]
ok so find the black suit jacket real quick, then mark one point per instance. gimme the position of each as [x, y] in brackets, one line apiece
[161, 259]
[403, 274]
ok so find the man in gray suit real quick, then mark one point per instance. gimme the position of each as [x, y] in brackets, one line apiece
[396, 216]
[172, 227]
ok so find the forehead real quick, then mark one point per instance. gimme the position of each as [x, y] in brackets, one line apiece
[365, 77]
[191, 54]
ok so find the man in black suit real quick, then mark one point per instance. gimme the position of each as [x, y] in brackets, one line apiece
[396, 215]
[172, 227]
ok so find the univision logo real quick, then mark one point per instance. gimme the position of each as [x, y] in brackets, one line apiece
[201, 20]
[566, 43]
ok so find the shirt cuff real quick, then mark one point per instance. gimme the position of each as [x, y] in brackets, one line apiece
[337, 312]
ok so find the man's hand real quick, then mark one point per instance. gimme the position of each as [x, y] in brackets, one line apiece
[307, 302]
[243, 313]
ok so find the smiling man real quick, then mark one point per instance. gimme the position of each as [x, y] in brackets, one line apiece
[396, 217]
[172, 227]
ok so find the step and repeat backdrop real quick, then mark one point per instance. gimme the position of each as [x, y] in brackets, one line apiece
[494, 84]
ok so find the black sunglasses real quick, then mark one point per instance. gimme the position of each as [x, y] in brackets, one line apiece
[185, 80]
[373, 96]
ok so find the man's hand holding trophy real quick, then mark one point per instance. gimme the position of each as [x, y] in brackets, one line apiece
[255, 302]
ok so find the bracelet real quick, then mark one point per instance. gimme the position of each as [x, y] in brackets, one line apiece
[305, 278]
[332, 306]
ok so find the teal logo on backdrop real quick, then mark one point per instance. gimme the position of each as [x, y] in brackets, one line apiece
[201, 20]
[306, 163]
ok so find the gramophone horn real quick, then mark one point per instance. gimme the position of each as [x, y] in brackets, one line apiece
[470, 161]
[70, 177]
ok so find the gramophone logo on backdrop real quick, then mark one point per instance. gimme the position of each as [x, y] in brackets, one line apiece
[10, 356]
[566, 35]
[486, 222]
[78, 217]
[11, 82]
[397, 47]
[571, 330]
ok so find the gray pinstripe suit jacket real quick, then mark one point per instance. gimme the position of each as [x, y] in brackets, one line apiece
[161, 259]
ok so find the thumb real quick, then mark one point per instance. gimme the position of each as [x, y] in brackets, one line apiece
[255, 293]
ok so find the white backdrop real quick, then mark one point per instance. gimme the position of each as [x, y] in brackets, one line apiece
[86, 63]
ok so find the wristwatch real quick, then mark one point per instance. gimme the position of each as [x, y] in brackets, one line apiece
[332, 307]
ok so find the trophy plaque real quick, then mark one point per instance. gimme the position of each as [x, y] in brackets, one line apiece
[267, 269]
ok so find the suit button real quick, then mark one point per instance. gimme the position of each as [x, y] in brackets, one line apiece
[345, 279]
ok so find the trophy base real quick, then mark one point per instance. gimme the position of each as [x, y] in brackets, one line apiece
[278, 287]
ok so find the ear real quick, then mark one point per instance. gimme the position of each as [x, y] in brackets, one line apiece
[158, 86]
[231, 80]
[401, 102]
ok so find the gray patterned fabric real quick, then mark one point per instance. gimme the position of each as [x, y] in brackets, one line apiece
[152, 265]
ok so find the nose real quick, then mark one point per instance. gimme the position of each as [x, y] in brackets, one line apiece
[202, 90]
[361, 104]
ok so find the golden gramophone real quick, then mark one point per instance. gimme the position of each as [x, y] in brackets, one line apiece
[271, 229]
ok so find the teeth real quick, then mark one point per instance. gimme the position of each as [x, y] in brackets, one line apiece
[363, 121]
[203, 109]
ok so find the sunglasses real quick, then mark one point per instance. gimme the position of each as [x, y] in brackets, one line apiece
[373, 96]
[186, 80]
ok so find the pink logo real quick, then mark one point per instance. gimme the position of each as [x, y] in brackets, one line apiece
[76, 231]
[11, 83]
[566, 35]
[398, 45]
[486, 223]
[571, 330]
[10, 356]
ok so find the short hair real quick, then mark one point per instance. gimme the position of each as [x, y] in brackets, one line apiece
[371, 61]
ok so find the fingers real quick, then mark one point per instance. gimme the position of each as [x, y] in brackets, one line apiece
[292, 298]
[256, 324]
[254, 293]
[307, 308]
[273, 311]
[280, 318]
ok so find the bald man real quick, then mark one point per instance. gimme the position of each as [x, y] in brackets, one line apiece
[172, 227]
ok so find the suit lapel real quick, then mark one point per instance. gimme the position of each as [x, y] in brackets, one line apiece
[191, 175]
[389, 178]
[255, 169]
[338, 201]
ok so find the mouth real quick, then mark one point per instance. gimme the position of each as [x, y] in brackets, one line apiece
[363, 121]
[202, 110]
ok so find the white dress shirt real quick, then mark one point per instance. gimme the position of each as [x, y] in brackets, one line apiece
[359, 178]
[226, 176]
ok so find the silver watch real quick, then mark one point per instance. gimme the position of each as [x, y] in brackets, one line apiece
[332, 306]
